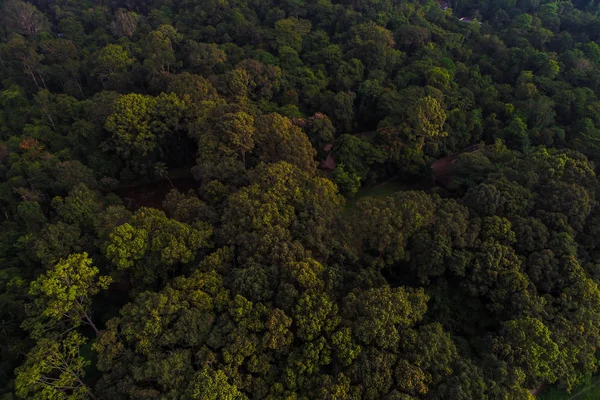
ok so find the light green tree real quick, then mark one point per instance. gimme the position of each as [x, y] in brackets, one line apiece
[65, 294]
[130, 125]
[428, 117]
[290, 31]
[208, 384]
[111, 63]
[526, 345]
[54, 369]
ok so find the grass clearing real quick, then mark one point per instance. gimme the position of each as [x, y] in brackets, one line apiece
[384, 189]
[590, 391]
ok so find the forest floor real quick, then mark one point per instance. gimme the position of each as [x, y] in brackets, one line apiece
[152, 194]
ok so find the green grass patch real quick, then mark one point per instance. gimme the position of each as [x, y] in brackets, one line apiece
[590, 391]
[384, 189]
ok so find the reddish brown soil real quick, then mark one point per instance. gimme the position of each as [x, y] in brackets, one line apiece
[443, 169]
[328, 164]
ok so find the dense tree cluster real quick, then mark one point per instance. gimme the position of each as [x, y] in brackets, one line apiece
[261, 282]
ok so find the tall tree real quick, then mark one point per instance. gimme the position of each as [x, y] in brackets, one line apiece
[54, 369]
[24, 18]
[63, 295]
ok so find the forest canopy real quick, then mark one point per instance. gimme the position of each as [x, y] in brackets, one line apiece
[186, 208]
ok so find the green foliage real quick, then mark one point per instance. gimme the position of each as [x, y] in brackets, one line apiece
[383, 312]
[355, 156]
[290, 31]
[64, 294]
[111, 64]
[24, 18]
[525, 343]
[151, 245]
[348, 183]
[130, 125]
[428, 118]
[54, 369]
[212, 385]
[255, 282]
[145, 128]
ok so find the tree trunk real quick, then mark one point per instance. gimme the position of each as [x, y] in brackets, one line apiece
[43, 81]
[90, 323]
[33, 77]
[169, 179]
[49, 118]
[85, 386]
